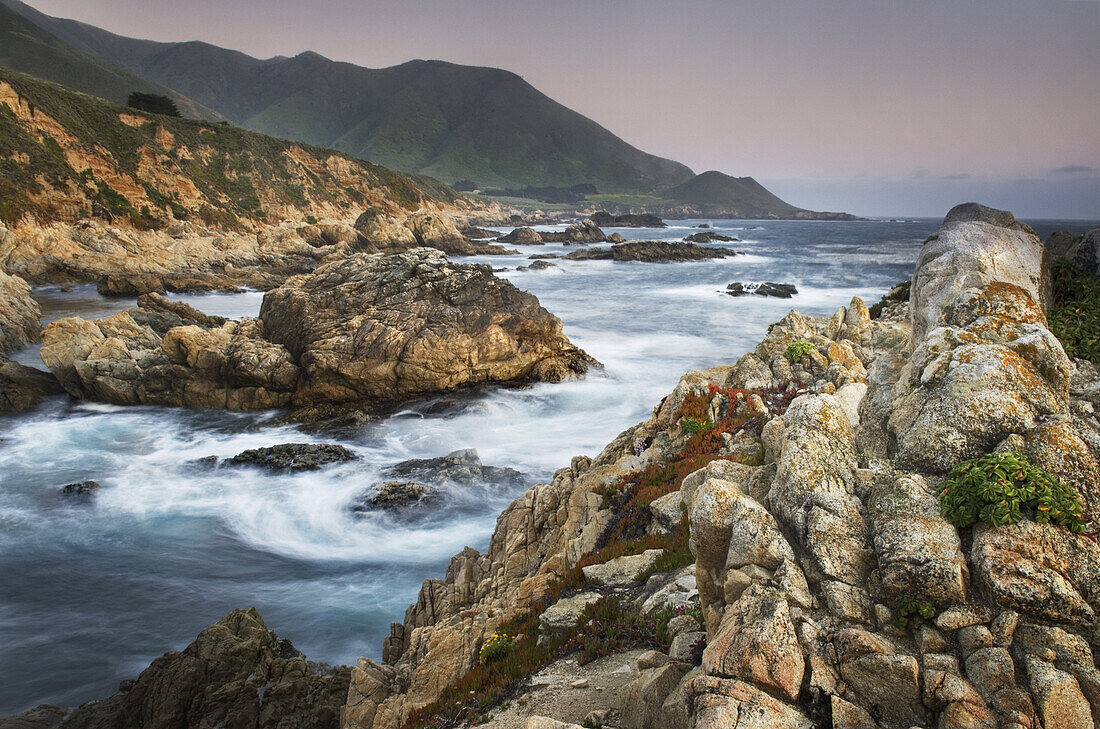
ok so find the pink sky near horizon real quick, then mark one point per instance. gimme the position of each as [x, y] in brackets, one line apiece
[977, 94]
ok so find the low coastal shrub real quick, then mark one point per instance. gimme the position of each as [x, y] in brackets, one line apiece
[909, 607]
[1003, 488]
[798, 349]
[694, 425]
[1075, 316]
[496, 647]
[899, 293]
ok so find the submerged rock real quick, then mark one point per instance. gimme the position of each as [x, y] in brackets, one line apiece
[235, 673]
[397, 495]
[81, 490]
[462, 467]
[581, 232]
[293, 456]
[710, 237]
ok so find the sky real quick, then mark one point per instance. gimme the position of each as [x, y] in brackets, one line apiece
[877, 107]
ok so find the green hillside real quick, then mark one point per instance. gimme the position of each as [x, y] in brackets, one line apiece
[66, 155]
[456, 123]
[27, 48]
[450, 121]
[742, 196]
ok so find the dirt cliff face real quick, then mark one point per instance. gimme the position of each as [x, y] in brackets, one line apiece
[92, 192]
[832, 587]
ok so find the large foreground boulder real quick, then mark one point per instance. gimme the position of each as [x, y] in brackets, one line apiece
[390, 327]
[236, 673]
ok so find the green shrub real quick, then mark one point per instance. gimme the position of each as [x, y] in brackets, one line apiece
[909, 607]
[311, 220]
[498, 646]
[899, 292]
[1002, 488]
[1075, 316]
[798, 349]
[152, 103]
[695, 425]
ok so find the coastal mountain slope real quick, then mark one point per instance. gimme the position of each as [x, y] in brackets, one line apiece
[737, 196]
[67, 156]
[438, 118]
[28, 48]
[137, 202]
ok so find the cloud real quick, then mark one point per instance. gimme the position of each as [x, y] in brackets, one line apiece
[956, 176]
[1073, 170]
[920, 174]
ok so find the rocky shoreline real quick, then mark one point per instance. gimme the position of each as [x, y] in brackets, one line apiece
[780, 519]
[366, 331]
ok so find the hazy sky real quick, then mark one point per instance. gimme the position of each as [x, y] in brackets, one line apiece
[872, 106]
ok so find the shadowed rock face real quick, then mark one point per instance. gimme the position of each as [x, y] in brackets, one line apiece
[236, 673]
[370, 329]
[19, 315]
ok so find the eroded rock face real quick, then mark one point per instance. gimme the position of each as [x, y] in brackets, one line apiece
[20, 315]
[833, 592]
[984, 364]
[370, 329]
[384, 328]
[235, 673]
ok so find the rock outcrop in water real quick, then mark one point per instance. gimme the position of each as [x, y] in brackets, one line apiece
[604, 219]
[236, 673]
[366, 329]
[833, 591]
[651, 251]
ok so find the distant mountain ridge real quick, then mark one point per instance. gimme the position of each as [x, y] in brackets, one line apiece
[452, 122]
[27, 47]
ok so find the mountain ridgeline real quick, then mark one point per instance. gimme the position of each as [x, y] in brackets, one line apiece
[452, 122]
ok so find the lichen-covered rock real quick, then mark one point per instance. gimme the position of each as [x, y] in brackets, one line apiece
[918, 552]
[20, 315]
[117, 360]
[642, 699]
[368, 329]
[807, 564]
[756, 642]
[984, 365]
[1039, 570]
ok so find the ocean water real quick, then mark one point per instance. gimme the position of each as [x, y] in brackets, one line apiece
[91, 592]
